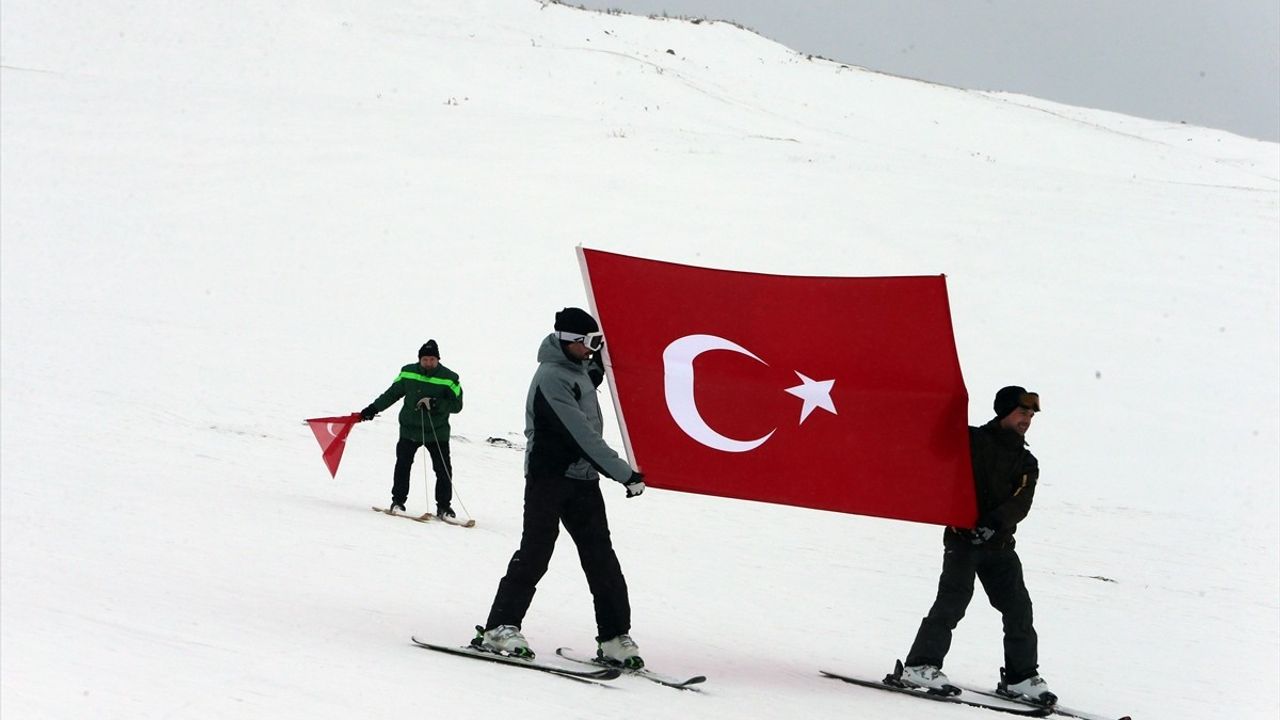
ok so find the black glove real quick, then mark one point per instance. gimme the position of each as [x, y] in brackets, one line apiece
[595, 367]
[980, 535]
[634, 484]
[368, 413]
[427, 403]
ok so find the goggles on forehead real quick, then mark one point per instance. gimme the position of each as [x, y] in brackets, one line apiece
[1030, 401]
[593, 340]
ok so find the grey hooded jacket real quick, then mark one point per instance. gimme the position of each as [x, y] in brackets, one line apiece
[563, 424]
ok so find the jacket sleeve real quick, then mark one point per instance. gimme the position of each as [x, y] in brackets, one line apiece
[390, 396]
[454, 402]
[452, 396]
[1012, 511]
[558, 394]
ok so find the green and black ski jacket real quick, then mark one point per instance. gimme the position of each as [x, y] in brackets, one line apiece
[414, 383]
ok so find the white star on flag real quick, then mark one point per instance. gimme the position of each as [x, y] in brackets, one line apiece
[815, 393]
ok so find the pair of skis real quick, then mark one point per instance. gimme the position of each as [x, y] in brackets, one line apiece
[426, 517]
[973, 698]
[600, 673]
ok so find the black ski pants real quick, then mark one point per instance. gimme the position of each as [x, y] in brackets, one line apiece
[548, 502]
[1000, 571]
[439, 452]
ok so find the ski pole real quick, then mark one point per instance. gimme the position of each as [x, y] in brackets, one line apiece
[448, 476]
[426, 479]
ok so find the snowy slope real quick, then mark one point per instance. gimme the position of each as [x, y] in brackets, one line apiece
[218, 219]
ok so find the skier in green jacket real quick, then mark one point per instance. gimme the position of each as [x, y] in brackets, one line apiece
[431, 392]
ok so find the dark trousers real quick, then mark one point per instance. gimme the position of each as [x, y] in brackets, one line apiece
[439, 452]
[549, 501]
[1000, 571]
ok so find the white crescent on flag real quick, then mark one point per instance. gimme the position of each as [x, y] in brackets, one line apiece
[333, 433]
[677, 363]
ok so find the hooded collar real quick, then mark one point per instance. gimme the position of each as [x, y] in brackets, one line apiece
[552, 351]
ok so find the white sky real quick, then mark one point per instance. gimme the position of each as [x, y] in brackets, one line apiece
[1215, 64]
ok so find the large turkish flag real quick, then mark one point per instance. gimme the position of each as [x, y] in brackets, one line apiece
[834, 393]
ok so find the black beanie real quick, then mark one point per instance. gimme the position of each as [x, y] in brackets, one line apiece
[429, 349]
[576, 320]
[1009, 398]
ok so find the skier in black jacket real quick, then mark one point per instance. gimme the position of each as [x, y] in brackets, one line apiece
[565, 455]
[1004, 475]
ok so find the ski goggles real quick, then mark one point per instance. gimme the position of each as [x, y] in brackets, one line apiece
[593, 340]
[1030, 401]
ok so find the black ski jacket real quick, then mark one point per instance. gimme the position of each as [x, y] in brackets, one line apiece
[1004, 477]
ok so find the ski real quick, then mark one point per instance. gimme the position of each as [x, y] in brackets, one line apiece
[415, 518]
[1053, 709]
[426, 517]
[646, 673]
[1012, 708]
[594, 677]
[453, 521]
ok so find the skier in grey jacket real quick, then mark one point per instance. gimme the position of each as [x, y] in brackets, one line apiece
[565, 455]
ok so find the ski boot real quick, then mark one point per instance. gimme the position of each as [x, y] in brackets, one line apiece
[620, 651]
[502, 640]
[929, 678]
[1033, 689]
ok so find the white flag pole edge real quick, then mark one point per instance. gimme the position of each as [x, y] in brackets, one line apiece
[608, 366]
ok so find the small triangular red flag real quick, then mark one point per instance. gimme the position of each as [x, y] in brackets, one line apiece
[331, 433]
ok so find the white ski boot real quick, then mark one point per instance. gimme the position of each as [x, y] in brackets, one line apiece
[1033, 689]
[927, 677]
[503, 640]
[621, 651]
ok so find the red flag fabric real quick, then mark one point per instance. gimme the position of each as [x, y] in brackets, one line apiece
[331, 433]
[835, 393]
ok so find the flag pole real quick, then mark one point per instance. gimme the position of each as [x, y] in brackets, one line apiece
[608, 364]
